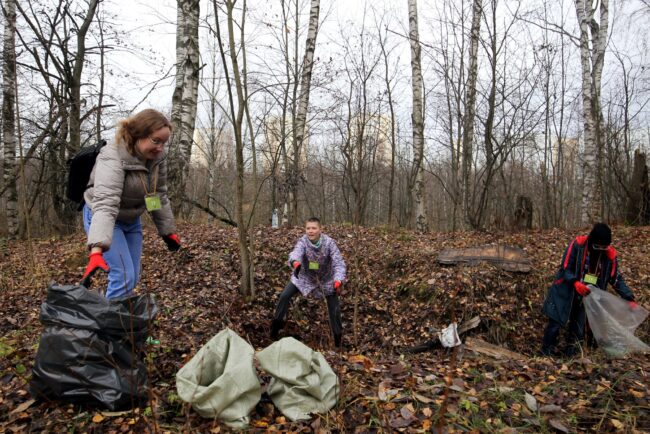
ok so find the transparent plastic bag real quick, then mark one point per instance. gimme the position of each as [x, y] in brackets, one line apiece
[613, 323]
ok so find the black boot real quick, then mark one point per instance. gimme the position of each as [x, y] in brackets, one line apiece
[276, 326]
[337, 340]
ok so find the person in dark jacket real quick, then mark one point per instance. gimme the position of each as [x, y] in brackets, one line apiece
[588, 260]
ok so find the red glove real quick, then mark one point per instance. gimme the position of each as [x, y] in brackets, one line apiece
[581, 288]
[633, 305]
[95, 262]
[296, 268]
[172, 241]
[337, 287]
[611, 253]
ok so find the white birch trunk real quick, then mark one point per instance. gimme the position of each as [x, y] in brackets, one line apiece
[417, 120]
[184, 99]
[303, 100]
[9, 118]
[593, 41]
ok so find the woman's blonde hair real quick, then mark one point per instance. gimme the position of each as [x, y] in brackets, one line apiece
[138, 126]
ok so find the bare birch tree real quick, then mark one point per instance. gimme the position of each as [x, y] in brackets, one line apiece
[593, 41]
[303, 106]
[417, 121]
[9, 116]
[184, 99]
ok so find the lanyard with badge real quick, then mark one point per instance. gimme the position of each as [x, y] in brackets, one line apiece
[591, 279]
[151, 200]
[315, 264]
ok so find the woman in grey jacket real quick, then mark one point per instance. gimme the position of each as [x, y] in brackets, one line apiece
[129, 178]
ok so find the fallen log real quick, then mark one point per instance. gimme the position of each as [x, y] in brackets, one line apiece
[495, 351]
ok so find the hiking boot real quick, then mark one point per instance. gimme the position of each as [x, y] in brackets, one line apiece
[276, 326]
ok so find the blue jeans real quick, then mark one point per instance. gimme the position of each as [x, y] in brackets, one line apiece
[124, 256]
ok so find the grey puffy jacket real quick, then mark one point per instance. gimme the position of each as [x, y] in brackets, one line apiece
[116, 192]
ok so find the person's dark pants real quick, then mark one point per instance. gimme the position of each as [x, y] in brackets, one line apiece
[333, 308]
[576, 328]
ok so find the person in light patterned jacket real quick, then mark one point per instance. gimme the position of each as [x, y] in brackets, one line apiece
[318, 270]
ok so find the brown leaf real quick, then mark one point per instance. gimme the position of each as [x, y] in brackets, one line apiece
[400, 422]
[422, 398]
[22, 407]
[558, 425]
[531, 402]
[551, 408]
[406, 412]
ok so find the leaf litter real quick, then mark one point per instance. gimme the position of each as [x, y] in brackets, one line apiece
[401, 297]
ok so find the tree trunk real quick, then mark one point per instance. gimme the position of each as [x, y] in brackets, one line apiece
[184, 99]
[75, 79]
[303, 101]
[638, 208]
[470, 109]
[393, 140]
[247, 283]
[417, 120]
[592, 60]
[9, 117]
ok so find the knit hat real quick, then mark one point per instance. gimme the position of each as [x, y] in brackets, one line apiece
[600, 234]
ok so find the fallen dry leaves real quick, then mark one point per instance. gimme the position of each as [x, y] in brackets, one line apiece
[397, 297]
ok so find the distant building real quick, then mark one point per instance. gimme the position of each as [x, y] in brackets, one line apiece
[376, 130]
[272, 154]
[212, 146]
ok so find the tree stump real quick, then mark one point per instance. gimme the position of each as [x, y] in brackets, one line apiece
[524, 213]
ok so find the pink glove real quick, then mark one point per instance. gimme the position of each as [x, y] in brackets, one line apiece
[633, 305]
[337, 287]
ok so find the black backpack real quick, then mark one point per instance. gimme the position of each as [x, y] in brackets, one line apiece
[79, 168]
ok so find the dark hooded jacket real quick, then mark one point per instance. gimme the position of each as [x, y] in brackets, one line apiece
[562, 294]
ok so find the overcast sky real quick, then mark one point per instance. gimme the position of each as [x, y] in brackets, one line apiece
[151, 26]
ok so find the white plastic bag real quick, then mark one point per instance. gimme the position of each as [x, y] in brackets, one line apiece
[449, 336]
[613, 323]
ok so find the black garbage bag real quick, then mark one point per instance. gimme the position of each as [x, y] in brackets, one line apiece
[92, 348]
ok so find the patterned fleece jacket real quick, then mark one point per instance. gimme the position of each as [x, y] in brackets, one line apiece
[317, 279]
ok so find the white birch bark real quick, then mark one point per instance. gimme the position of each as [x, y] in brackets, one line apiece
[417, 120]
[303, 100]
[593, 41]
[184, 99]
[9, 118]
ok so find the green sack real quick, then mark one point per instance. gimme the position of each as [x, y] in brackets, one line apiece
[302, 381]
[220, 381]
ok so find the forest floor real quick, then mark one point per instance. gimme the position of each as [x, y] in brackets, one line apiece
[397, 296]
